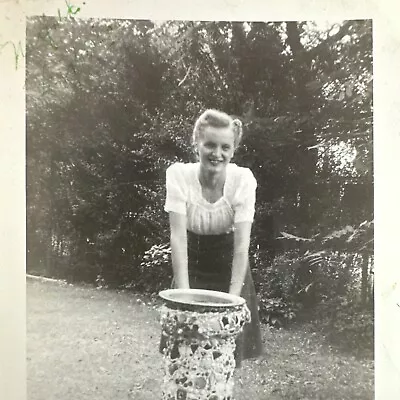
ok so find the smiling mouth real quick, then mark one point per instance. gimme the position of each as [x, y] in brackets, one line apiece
[215, 162]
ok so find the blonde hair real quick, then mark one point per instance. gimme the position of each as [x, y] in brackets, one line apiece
[218, 119]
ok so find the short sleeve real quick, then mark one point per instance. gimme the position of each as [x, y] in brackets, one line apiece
[176, 190]
[245, 198]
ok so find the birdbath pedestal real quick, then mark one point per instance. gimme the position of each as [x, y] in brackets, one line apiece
[200, 328]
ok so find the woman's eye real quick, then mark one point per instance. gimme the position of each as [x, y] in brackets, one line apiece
[226, 147]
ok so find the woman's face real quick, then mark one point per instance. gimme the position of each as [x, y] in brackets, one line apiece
[216, 148]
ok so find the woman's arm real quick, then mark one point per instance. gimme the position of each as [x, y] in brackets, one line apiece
[179, 255]
[240, 256]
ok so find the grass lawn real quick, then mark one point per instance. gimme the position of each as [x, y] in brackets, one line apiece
[85, 343]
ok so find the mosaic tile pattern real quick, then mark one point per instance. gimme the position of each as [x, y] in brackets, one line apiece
[199, 356]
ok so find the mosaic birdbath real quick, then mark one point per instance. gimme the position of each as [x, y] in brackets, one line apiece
[200, 327]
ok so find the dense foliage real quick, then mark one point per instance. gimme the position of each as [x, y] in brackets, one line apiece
[111, 103]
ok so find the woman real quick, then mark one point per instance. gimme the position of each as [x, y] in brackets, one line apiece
[211, 210]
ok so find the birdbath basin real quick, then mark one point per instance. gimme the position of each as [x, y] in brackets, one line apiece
[200, 298]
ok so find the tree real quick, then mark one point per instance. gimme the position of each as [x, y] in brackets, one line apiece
[111, 103]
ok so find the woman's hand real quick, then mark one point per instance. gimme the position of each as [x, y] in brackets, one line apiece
[240, 257]
[179, 256]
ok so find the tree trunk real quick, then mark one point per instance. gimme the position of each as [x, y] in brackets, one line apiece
[49, 247]
[239, 48]
[306, 163]
[364, 281]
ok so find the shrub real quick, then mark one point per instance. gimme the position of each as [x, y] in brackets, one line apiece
[276, 312]
[155, 272]
[274, 285]
[313, 286]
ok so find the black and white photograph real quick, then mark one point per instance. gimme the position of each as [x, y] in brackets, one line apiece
[199, 209]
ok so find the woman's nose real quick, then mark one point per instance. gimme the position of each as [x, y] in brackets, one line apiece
[217, 152]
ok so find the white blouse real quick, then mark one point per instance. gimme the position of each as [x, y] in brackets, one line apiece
[184, 196]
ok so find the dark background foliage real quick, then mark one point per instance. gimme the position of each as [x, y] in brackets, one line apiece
[111, 103]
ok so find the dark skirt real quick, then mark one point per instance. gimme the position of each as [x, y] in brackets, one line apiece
[209, 265]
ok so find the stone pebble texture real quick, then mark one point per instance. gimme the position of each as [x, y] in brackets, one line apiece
[199, 357]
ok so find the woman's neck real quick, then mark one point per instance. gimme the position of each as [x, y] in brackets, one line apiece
[210, 179]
